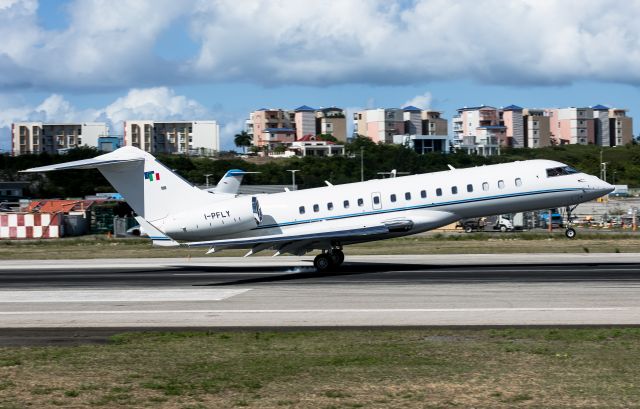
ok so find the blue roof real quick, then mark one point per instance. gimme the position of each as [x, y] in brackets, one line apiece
[600, 108]
[411, 108]
[304, 108]
[513, 108]
[261, 109]
[279, 130]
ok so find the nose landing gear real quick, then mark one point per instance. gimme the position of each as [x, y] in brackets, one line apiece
[328, 260]
[570, 232]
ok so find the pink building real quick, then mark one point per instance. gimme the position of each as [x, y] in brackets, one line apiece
[479, 130]
[379, 125]
[572, 126]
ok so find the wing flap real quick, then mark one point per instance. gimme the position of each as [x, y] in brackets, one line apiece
[281, 238]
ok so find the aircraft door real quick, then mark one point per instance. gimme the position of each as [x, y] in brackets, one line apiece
[376, 200]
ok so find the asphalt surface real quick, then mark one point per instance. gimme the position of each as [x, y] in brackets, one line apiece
[86, 299]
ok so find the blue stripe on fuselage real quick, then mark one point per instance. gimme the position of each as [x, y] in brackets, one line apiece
[423, 206]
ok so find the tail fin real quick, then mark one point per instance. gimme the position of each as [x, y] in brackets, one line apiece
[152, 190]
[230, 182]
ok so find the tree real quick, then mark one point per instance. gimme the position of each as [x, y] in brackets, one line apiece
[243, 139]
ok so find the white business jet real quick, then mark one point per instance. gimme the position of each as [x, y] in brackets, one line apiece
[327, 218]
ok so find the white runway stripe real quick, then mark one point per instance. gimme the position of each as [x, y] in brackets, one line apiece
[313, 311]
[64, 296]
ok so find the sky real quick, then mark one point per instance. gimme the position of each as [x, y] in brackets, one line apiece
[112, 60]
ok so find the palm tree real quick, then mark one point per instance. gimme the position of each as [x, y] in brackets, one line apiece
[243, 139]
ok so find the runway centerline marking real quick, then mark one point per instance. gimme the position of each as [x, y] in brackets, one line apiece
[376, 310]
[91, 295]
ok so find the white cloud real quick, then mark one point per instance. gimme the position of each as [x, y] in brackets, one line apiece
[111, 44]
[422, 101]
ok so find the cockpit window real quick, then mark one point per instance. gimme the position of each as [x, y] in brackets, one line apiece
[561, 171]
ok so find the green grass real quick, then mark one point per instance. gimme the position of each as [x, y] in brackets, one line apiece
[500, 368]
[431, 243]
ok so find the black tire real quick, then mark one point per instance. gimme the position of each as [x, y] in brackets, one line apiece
[468, 229]
[337, 257]
[503, 228]
[570, 233]
[322, 262]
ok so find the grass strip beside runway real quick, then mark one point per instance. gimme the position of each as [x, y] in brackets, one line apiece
[500, 368]
[431, 243]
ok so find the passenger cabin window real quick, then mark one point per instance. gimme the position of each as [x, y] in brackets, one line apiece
[345, 204]
[454, 190]
[469, 188]
[393, 198]
[316, 208]
[501, 184]
[301, 209]
[423, 194]
[518, 182]
[407, 196]
[561, 171]
[360, 202]
[376, 199]
[329, 206]
[438, 192]
[485, 186]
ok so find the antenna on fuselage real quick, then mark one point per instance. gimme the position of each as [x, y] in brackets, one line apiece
[451, 167]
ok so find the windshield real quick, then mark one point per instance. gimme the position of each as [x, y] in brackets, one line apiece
[561, 171]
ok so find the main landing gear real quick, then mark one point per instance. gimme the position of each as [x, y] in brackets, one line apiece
[328, 260]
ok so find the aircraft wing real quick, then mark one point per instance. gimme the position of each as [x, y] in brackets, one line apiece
[290, 243]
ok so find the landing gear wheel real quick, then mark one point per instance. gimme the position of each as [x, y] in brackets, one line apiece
[322, 262]
[570, 233]
[337, 257]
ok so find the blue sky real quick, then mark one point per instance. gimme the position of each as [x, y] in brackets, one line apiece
[84, 60]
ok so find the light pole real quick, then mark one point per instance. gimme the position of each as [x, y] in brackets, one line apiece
[293, 177]
[207, 179]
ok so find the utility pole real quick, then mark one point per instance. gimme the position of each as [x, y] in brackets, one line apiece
[362, 164]
[206, 177]
[293, 177]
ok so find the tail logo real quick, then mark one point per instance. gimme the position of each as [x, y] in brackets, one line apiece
[151, 176]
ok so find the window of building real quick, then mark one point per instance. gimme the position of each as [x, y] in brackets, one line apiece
[407, 196]
[301, 209]
[485, 186]
[518, 182]
[469, 188]
[360, 202]
[376, 200]
[330, 206]
[316, 208]
[454, 190]
[345, 204]
[501, 184]
[393, 197]
[423, 194]
[438, 192]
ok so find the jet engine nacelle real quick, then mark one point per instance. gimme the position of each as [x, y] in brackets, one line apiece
[213, 220]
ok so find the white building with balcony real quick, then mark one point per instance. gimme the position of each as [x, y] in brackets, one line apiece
[173, 137]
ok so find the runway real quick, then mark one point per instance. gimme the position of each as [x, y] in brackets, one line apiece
[476, 290]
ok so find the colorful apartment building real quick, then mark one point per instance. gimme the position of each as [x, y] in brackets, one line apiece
[572, 126]
[479, 130]
[274, 127]
[179, 137]
[38, 137]
[422, 130]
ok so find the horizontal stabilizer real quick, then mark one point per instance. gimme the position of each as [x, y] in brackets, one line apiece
[112, 158]
[159, 239]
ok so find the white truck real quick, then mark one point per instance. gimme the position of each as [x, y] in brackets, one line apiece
[509, 222]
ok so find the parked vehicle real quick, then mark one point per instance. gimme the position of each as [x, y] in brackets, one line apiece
[556, 219]
[471, 225]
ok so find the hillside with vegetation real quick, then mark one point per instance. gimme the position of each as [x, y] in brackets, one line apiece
[623, 166]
